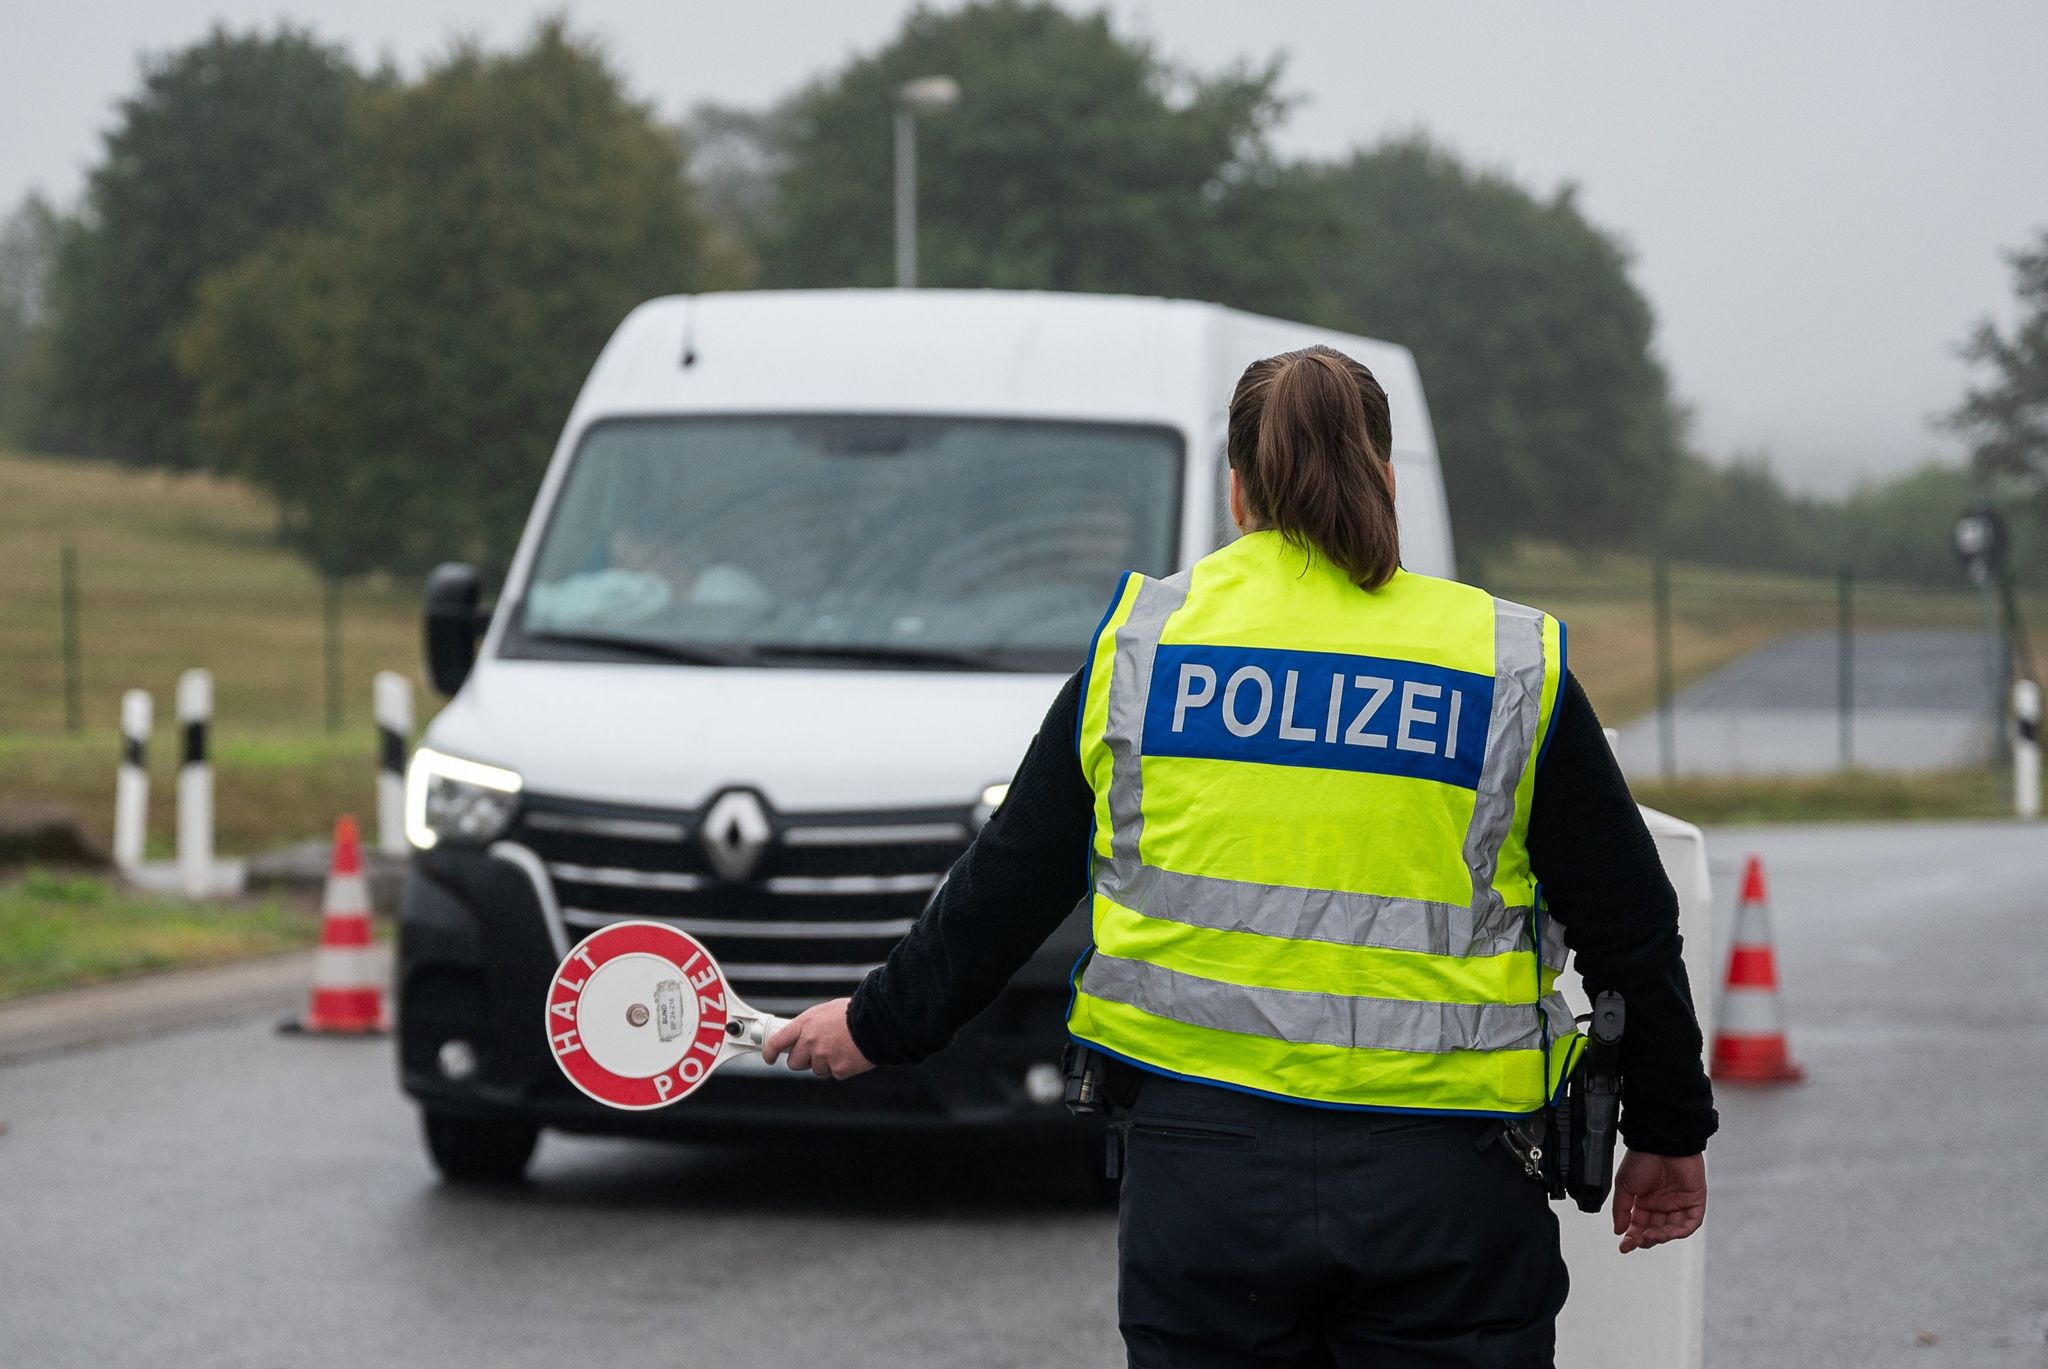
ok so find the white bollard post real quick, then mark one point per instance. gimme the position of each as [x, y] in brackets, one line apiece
[2026, 748]
[195, 784]
[391, 699]
[131, 782]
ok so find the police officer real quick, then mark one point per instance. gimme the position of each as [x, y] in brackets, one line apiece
[1342, 823]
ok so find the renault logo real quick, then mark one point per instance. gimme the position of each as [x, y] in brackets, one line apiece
[735, 832]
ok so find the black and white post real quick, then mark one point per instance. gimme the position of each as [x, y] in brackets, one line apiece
[131, 781]
[391, 700]
[195, 784]
[2026, 748]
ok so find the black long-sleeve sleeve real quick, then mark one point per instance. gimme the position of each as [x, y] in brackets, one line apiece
[1587, 843]
[1603, 880]
[1023, 875]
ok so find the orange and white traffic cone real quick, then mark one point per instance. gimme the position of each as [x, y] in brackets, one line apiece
[347, 997]
[1749, 1031]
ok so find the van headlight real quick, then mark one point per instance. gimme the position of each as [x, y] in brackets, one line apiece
[991, 799]
[449, 798]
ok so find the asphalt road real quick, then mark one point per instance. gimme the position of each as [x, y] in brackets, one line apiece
[1893, 1209]
[1920, 701]
[228, 1197]
[224, 1196]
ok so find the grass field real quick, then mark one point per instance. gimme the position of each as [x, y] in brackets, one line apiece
[60, 930]
[1856, 796]
[175, 571]
[180, 571]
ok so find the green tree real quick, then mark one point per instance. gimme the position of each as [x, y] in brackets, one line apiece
[2005, 419]
[1552, 413]
[229, 141]
[1901, 530]
[1741, 515]
[1075, 160]
[29, 238]
[397, 377]
[1893, 531]
[735, 158]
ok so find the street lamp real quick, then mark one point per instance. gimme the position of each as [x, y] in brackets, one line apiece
[1980, 543]
[925, 95]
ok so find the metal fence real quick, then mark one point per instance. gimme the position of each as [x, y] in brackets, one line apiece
[294, 653]
[1703, 670]
[1715, 672]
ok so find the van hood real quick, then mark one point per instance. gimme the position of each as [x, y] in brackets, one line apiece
[670, 736]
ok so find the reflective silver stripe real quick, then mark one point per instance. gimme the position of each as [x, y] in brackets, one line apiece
[1558, 1014]
[1510, 738]
[1398, 924]
[1130, 685]
[1312, 1018]
[1554, 949]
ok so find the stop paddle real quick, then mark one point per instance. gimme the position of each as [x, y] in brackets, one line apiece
[639, 1015]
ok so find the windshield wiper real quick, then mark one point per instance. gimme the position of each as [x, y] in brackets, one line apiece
[642, 646]
[930, 658]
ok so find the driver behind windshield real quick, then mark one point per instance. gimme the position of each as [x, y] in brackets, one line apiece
[647, 569]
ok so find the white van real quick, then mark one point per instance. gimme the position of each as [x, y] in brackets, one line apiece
[800, 583]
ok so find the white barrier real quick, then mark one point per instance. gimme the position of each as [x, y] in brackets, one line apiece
[131, 781]
[1644, 1308]
[195, 784]
[391, 699]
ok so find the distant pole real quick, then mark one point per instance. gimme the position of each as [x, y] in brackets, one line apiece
[391, 699]
[1994, 662]
[131, 781]
[1845, 665]
[2026, 748]
[330, 606]
[74, 685]
[1667, 723]
[925, 95]
[195, 783]
[906, 197]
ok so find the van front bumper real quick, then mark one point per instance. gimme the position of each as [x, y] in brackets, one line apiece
[474, 959]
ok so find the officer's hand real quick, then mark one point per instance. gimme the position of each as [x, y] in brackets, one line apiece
[1658, 1198]
[818, 1041]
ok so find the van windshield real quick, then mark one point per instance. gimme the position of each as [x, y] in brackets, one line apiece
[847, 541]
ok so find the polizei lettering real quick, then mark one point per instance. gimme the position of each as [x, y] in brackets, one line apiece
[1323, 710]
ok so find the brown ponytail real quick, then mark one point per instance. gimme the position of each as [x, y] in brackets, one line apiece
[1312, 442]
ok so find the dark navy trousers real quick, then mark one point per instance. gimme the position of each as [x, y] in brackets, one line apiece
[1255, 1232]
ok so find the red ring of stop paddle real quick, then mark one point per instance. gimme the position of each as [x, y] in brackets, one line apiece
[701, 977]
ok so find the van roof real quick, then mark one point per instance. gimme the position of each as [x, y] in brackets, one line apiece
[1019, 353]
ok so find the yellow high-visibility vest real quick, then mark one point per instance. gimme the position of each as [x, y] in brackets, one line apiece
[1310, 864]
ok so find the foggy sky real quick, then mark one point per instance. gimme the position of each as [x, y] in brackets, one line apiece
[1818, 195]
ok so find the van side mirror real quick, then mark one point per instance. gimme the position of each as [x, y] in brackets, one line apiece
[456, 617]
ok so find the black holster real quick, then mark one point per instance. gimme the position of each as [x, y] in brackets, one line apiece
[1098, 1085]
[1569, 1146]
[1588, 1117]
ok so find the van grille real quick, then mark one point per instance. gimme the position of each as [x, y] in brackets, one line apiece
[827, 897]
